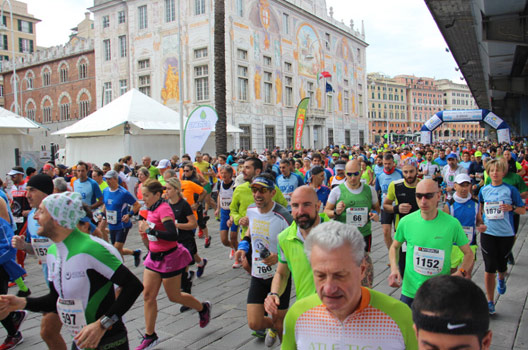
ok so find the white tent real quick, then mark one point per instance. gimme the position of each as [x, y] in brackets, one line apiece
[14, 133]
[133, 124]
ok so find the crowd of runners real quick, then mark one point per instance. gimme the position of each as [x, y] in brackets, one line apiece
[299, 220]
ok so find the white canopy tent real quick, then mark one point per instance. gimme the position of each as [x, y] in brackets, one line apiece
[133, 124]
[14, 133]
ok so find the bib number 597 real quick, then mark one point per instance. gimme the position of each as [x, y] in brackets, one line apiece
[68, 319]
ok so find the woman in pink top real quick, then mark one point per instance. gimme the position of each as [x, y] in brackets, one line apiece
[165, 262]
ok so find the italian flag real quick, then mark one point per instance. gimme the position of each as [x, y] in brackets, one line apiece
[324, 74]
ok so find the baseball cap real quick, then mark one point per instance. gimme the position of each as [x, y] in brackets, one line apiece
[451, 156]
[112, 174]
[164, 163]
[478, 154]
[335, 154]
[264, 182]
[461, 178]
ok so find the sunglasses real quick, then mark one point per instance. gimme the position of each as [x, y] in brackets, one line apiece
[259, 189]
[426, 195]
[357, 173]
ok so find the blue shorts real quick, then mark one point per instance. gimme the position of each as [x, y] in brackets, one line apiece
[224, 216]
[119, 235]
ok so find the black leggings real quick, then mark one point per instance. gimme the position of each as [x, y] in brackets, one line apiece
[495, 252]
[8, 321]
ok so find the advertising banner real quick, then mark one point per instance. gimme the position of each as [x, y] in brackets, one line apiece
[462, 116]
[300, 118]
[199, 125]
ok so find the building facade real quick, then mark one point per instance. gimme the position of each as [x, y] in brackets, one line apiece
[275, 51]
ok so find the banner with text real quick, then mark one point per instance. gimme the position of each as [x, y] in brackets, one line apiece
[300, 118]
[199, 125]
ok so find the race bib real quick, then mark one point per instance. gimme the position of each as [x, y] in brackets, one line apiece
[357, 216]
[261, 270]
[492, 210]
[40, 247]
[71, 313]
[152, 238]
[428, 261]
[469, 231]
[225, 203]
[19, 219]
[111, 217]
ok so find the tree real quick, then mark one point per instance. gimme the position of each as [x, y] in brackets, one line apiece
[220, 77]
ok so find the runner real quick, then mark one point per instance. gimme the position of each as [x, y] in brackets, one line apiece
[190, 174]
[340, 176]
[316, 183]
[165, 263]
[87, 187]
[266, 220]
[429, 169]
[287, 181]
[86, 300]
[342, 313]
[226, 187]
[449, 172]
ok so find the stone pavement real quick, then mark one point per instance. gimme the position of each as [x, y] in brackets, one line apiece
[227, 290]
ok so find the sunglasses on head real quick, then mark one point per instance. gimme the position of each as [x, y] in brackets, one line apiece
[259, 189]
[426, 195]
[357, 173]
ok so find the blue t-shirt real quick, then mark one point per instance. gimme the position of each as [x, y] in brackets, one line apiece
[466, 213]
[322, 194]
[383, 181]
[327, 177]
[288, 184]
[465, 164]
[89, 190]
[378, 169]
[32, 229]
[117, 204]
[441, 162]
[507, 195]
[11, 220]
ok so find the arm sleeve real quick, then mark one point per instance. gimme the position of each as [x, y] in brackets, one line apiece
[516, 198]
[132, 288]
[391, 192]
[171, 234]
[46, 303]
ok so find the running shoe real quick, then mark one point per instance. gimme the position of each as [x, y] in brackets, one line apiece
[148, 342]
[501, 286]
[237, 264]
[23, 294]
[200, 233]
[232, 254]
[261, 333]
[271, 337]
[18, 318]
[207, 242]
[11, 341]
[137, 257]
[200, 270]
[491, 308]
[205, 314]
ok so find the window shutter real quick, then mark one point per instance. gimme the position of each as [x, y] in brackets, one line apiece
[5, 41]
[20, 45]
[31, 46]
[31, 27]
[19, 25]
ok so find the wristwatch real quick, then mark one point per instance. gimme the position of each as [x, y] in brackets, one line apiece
[514, 207]
[107, 322]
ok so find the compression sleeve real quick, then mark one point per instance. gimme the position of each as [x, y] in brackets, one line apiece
[46, 303]
[132, 288]
[171, 234]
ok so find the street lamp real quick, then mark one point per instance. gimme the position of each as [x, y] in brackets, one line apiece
[3, 28]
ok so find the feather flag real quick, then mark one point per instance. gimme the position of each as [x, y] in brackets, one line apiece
[324, 74]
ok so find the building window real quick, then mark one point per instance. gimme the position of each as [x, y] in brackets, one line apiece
[289, 137]
[121, 18]
[46, 114]
[63, 73]
[3, 42]
[243, 84]
[107, 50]
[64, 112]
[144, 64]
[330, 136]
[84, 108]
[200, 53]
[347, 137]
[286, 23]
[269, 137]
[106, 21]
[25, 26]
[25, 45]
[122, 45]
[30, 112]
[346, 102]
[240, 8]
[107, 93]
[288, 92]
[46, 78]
[142, 16]
[199, 7]
[29, 81]
[83, 70]
[287, 67]
[170, 11]
[329, 100]
[123, 86]
[242, 54]
[267, 61]
[201, 82]
[245, 137]
[144, 84]
[268, 87]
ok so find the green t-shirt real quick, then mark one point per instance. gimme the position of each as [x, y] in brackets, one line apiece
[103, 185]
[361, 202]
[154, 172]
[429, 244]
[379, 322]
[511, 179]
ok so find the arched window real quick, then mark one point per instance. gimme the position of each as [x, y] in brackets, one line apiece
[46, 76]
[63, 71]
[82, 67]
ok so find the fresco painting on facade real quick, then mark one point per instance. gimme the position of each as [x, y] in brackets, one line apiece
[310, 59]
[278, 86]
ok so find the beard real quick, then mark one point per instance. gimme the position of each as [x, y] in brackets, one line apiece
[410, 180]
[305, 221]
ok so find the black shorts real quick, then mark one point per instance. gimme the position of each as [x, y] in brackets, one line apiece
[202, 223]
[190, 244]
[259, 289]
[387, 218]
[495, 251]
[171, 274]
[119, 235]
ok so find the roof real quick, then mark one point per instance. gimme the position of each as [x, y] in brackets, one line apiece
[11, 120]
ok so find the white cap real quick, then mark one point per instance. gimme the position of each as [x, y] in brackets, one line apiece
[14, 172]
[164, 163]
[461, 178]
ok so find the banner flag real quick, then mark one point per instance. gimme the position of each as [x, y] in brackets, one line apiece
[300, 117]
[198, 127]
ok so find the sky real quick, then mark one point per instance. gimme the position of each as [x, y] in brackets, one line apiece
[402, 35]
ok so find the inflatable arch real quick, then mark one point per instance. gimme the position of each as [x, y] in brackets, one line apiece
[472, 115]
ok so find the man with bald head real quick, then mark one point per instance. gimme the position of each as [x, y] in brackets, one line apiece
[430, 235]
[356, 204]
[153, 171]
